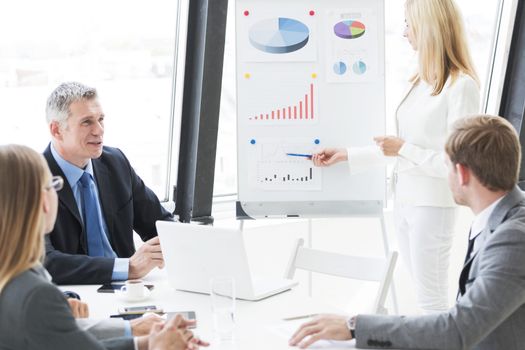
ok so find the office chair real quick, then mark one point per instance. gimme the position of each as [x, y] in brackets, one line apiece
[353, 267]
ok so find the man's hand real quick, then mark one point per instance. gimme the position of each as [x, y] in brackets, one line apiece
[329, 156]
[145, 259]
[78, 308]
[143, 325]
[389, 145]
[329, 327]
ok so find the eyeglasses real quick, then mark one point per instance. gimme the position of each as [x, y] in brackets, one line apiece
[57, 182]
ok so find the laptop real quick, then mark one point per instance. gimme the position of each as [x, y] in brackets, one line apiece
[196, 253]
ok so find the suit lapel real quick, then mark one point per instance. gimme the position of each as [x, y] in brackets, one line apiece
[65, 195]
[511, 200]
[407, 92]
[102, 176]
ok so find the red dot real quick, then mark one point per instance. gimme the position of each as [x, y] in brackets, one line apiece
[246, 13]
[312, 12]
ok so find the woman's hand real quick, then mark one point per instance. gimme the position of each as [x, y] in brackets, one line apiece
[329, 156]
[173, 335]
[389, 145]
[78, 308]
[142, 325]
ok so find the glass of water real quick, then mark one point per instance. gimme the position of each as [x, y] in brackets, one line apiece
[222, 292]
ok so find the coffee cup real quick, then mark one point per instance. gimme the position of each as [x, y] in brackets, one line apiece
[133, 289]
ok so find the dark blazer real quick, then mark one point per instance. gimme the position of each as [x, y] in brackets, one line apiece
[127, 205]
[491, 313]
[35, 315]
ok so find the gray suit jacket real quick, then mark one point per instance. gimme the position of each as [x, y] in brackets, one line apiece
[35, 315]
[491, 313]
[103, 328]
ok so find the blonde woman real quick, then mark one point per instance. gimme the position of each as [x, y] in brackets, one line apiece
[33, 312]
[444, 89]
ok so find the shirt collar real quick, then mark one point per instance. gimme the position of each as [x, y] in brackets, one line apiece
[481, 220]
[72, 172]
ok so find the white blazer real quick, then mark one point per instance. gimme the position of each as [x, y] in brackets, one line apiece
[423, 121]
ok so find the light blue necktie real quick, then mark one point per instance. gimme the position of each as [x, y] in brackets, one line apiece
[92, 222]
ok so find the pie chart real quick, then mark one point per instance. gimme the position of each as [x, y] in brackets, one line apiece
[279, 35]
[339, 68]
[359, 67]
[349, 29]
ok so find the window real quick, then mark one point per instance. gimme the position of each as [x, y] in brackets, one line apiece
[123, 48]
[226, 158]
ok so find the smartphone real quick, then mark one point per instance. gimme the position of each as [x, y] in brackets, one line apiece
[189, 315]
[112, 287]
[130, 310]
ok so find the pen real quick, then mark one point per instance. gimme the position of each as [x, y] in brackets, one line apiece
[299, 155]
[299, 317]
[126, 317]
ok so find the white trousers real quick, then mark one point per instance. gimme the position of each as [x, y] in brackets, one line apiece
[425, 236]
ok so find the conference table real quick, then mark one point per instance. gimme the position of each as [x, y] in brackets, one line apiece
[258, 324]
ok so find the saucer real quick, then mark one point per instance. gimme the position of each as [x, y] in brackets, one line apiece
[124, 295]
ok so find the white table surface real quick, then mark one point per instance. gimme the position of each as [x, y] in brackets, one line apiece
[259, 324]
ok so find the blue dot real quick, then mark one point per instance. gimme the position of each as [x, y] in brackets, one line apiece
[252, 141]
[317, 141]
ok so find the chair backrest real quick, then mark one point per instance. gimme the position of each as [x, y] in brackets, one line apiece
[353, 267]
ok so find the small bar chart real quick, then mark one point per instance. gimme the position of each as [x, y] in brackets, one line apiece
[279, 169]
[284, 178]
[302, 110]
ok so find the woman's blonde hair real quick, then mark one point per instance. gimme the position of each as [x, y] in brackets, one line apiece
[23, 173]
[441, 42]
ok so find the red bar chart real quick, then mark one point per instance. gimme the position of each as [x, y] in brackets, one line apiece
[302, 109]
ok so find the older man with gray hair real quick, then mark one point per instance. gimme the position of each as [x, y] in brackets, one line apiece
[103, 200]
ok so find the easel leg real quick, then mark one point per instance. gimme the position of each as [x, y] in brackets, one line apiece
[310, 243]
[387, 251]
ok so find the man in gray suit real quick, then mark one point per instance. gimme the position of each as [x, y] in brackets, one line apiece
[483, 157]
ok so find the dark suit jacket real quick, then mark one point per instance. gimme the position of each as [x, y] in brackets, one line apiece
[35, 315]
[127, 205]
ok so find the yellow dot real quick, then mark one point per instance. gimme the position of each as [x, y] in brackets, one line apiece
[247, 75]
[314, 75]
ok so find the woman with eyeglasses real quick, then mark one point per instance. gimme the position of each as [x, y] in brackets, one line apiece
[443, 89]
[34, 314]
